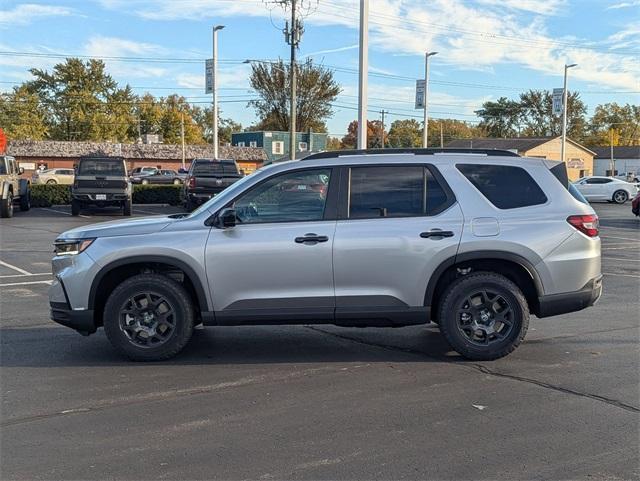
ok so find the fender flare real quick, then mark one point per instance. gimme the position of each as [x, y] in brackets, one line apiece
[24, 186]
[178, 264]
[4, 189]
[479, 255]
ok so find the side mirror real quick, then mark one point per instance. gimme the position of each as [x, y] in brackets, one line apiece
[226, 219]
[20, 170]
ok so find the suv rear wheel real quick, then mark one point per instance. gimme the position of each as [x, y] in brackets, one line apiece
[149, 317]
[483, 316]
[6, 206]
[25, 201]
[75, 207]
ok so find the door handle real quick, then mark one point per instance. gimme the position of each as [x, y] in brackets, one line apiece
[436, 233]
[311, 238]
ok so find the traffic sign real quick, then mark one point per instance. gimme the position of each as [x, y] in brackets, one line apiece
[208, 76]
[420, 94]
[557, 101]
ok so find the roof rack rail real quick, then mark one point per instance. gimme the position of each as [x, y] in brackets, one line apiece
[428, 151]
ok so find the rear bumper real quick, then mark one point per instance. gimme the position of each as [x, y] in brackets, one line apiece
[555, 304]
[109, 197]
[81, 321]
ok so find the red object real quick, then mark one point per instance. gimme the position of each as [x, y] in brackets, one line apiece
[587, 224]
[3, 141]
[635, 204]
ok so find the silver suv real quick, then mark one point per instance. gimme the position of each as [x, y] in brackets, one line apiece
[472, 240]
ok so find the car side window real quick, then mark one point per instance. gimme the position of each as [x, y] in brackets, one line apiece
[291, 197]
[505, 186]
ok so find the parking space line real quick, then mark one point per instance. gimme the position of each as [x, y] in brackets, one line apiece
[621, 275]
[27, 275]
[618, 248]
[65, 213]
[26, 283]
[147, 212]
[17, 269]
[637, 239]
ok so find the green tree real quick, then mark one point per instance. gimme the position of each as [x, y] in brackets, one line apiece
[22, 116]
[500, 118]
[226, 126]
[316, 90]
[405, 133]
[75, 94]
[537, 119]
[622, 122]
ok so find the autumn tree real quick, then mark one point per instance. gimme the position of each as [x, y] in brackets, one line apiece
[316, 90]
[620, 123]
[22, 116]
[374, 139]
[405, 133]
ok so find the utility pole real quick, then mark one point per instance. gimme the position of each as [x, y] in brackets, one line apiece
[441, 136]
[214, 87]
[182, 138]
[293, 37]
[425, 132]
[362, 74]
[382, 112]
[564, 112]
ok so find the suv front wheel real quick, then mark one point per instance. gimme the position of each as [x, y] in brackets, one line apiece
[149, 317]
[483, 316]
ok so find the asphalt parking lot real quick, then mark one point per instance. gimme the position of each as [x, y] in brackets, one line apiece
[318, 402]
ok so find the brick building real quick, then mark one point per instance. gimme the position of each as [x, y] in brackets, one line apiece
[58, 154]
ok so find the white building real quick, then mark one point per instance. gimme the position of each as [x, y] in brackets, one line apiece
[626, 160]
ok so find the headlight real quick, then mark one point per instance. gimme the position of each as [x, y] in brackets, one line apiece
[71, 247]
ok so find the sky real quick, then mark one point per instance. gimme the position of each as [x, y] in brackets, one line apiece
[486, 48]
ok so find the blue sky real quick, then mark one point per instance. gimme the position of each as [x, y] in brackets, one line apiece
[487, 48]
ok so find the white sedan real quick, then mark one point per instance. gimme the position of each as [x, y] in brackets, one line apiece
[607, 189]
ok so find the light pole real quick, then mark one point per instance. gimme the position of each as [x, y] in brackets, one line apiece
[214, 81]
[362, 74]
[425, 132]
[564, 112]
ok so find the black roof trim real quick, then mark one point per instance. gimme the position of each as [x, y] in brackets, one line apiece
[429, 151]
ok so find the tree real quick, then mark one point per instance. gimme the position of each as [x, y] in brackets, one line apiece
[333, 143]
[226, 126]
[500, 118]
[22, 116]
[622, 120]
[374, 140]
[75, 95]
[405, 133]
[316, 90]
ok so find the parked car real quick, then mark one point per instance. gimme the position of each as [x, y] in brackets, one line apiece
[208, 178]
[635, 205]
[473, 240]
[101, 182]
[139, 171]
[53, 176]
[162, 176]
[610, 189]
[14, 190]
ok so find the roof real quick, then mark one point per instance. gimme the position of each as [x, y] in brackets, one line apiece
[620, 152]
[519, 144]
[52, 148]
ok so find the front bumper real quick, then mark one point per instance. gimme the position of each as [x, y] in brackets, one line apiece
[555, 304]
[81, 321]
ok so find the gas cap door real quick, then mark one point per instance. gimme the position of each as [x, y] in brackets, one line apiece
[485, 227]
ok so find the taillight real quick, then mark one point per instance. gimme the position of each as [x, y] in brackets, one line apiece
[587, 224]
[192, 182]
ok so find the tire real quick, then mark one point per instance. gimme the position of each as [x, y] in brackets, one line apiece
[126, 208]
[51, 182]
[145, 182]
[6, 206]
[620, 196]
[25, 201]
[130, 334]
[504, 339]
[75, 207]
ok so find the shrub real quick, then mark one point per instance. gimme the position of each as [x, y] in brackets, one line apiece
[46, 195]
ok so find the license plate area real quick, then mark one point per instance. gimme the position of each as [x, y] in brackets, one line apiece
[101, 196]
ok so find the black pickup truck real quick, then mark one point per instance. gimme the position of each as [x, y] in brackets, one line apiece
[207, 178]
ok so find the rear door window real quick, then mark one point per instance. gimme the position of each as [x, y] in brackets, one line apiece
[394, 191]
[102, 167]
[506, 187]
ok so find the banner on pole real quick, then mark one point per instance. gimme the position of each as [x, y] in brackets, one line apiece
[420, 84]
[557, 101]
[208, 76]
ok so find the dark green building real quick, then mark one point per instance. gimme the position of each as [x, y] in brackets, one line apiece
[276, 143]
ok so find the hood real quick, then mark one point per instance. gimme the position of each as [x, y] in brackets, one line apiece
[144, 225]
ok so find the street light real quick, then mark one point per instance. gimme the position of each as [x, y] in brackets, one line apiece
[564, 112]
[213, 88]
[425, 132]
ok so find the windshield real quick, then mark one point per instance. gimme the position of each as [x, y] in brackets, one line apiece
[101, 167]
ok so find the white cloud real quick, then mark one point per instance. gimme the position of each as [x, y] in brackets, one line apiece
[635, 3]
[541, 7]
[28, 12]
